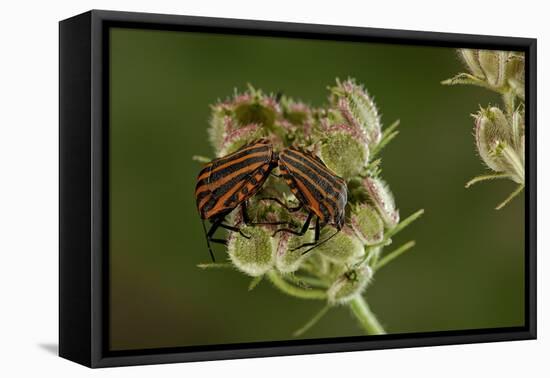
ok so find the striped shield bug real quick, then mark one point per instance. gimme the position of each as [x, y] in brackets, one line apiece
[228, 182]
[319, 190]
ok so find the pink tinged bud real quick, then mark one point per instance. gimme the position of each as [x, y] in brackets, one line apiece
[262, 111]
[296, 113]
[220, 125]
[237, 138]
[383, 201]
[358, 109]
[367, 224]
[287, 259]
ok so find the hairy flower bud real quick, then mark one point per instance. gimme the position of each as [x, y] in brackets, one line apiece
[358, 109]
[343, 248]
[493, 64]
[287, 258]
[237, 138]
[350, 284]
[382, 199]
[470, 57]
[367, 224]
[258, 109]
[220, 125]
[254, 255]
[232, 120]
[491, 131]
[344, 151]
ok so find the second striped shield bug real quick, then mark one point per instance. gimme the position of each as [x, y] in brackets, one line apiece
[319, 190]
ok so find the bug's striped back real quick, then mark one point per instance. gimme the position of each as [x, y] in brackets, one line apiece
[314, 185]
[226, 182]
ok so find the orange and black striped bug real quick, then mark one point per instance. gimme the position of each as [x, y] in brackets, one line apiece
[319, 190]
[228, 182]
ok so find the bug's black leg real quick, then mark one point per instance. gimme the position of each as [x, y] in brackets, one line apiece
[234, 229]
[246, 219]
[321, 242]
[298, 233]
[284, 205]
[206, 234]
[244, 213]
[219, 241]
[217, 223]
[315, 239]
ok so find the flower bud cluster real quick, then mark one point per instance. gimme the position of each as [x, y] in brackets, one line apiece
[343, 133]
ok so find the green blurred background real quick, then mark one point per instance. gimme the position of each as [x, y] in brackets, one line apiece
[466, 271]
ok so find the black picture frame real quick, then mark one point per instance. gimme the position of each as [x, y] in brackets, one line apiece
[84, 195]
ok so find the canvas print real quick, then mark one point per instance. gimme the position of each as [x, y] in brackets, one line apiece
[271, 189]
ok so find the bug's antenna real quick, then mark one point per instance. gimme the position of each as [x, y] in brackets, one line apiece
[321, 242]
[208, 241]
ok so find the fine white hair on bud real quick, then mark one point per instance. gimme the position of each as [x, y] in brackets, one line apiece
[289, 257]
[492, 132]
[367, 224]
[471, 59]
[342, 248]
[493, 64]
[220, 125]
[254, 254]
[344, 151]
[382, 199]
[237, 138]
[358, 109]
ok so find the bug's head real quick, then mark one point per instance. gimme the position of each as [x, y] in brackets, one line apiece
[339, 220]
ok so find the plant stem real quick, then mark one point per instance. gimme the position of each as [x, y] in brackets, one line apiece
[294, 291]
[394, 254]
[367, 320]
[311, 322]
[404, 223]
[255, 281]
[510, 197]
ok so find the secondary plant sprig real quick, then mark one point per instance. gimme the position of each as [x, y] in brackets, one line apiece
[499, 134]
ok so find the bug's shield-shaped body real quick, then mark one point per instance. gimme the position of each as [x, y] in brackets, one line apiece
[314, 185]
[225, 183]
